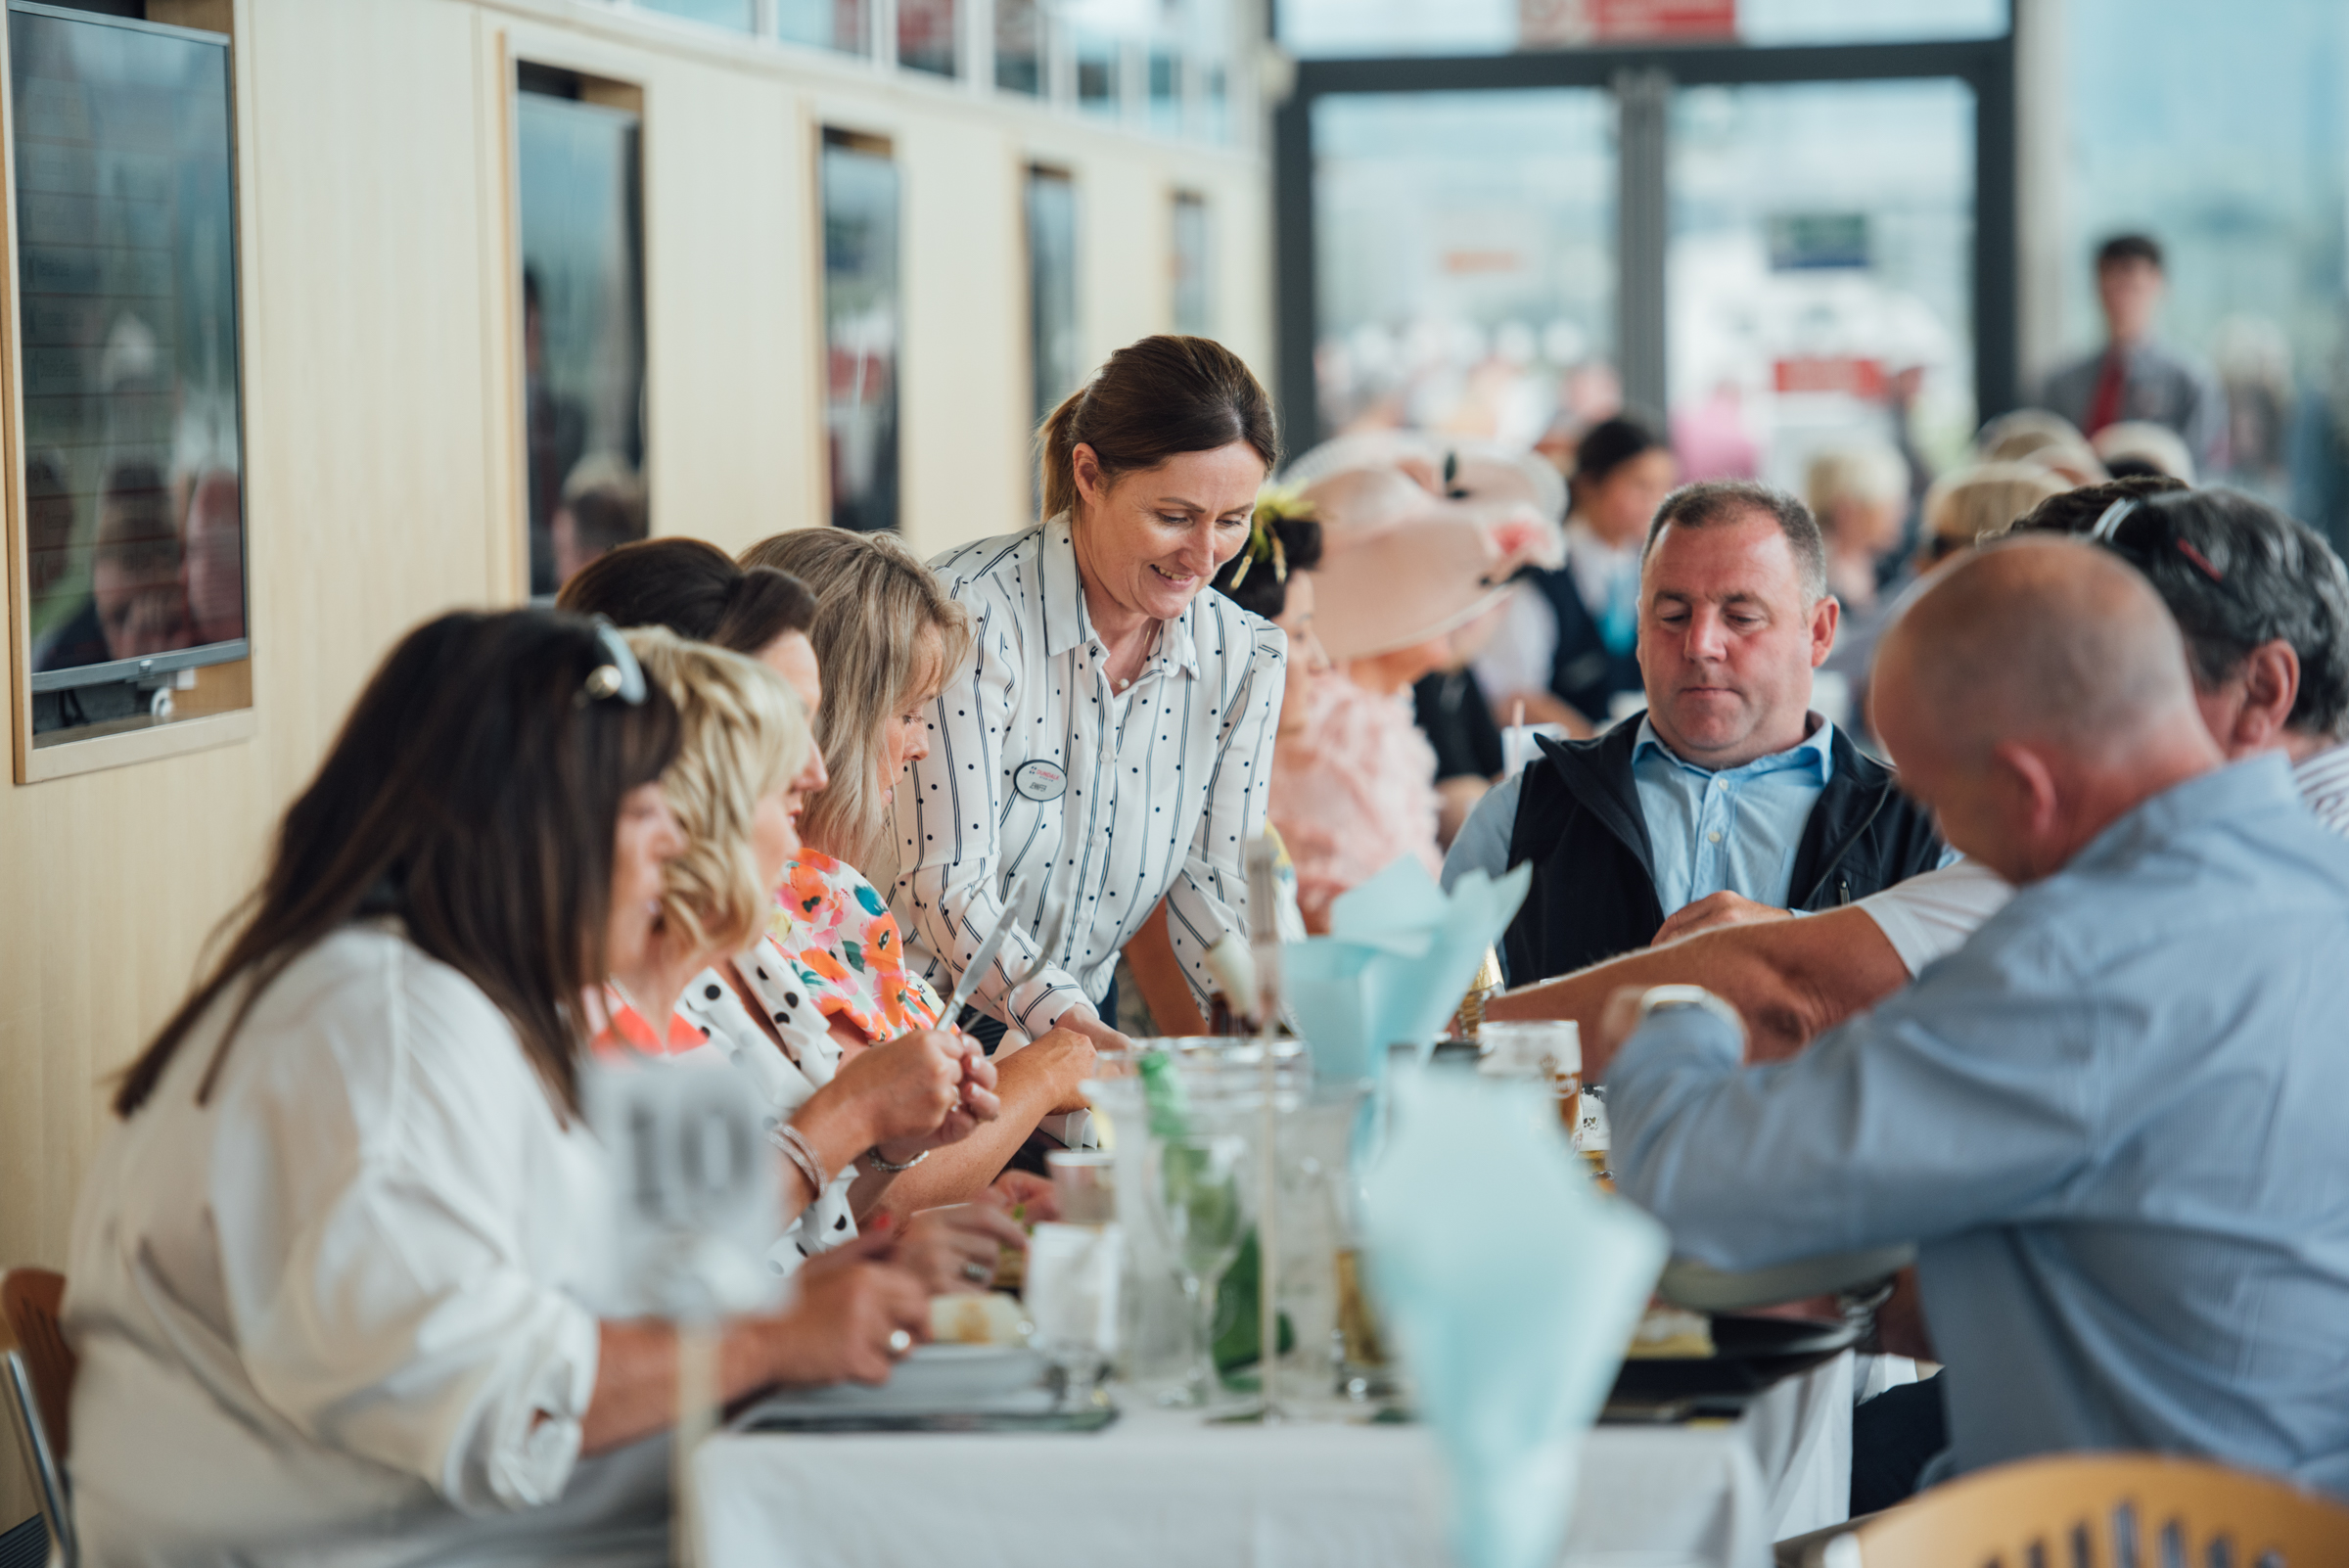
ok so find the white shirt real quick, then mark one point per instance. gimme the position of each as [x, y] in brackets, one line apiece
[335, 1315]
[1930, 916]
[1525, 647]
[1164, 784]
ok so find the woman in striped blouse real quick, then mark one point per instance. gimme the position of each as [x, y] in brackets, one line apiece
[1108, 746]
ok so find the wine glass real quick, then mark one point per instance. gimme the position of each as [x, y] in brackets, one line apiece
[1202, 1190]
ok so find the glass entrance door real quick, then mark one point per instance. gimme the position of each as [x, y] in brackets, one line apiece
[1819, 280]
[1775, 249]
[1464, 261]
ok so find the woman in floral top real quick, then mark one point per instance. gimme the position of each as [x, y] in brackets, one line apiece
[838, 933]
[888, 639]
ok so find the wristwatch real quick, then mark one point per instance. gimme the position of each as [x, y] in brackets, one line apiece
[1665, 998]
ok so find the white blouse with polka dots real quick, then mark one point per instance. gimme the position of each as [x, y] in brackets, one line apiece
[786, 1079]
[1114, 799]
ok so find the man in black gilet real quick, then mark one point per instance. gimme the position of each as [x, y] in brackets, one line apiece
[1728, 782]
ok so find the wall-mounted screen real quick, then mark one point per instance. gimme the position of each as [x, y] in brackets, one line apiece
[860, 328]
[582, 312]
[126, 277]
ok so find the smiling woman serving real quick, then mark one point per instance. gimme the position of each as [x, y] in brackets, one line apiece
[1110, 743]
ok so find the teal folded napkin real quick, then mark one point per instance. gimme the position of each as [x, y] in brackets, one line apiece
[1399, 956]
[1512, 1287]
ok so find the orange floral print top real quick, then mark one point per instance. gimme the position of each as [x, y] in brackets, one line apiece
[839, 934]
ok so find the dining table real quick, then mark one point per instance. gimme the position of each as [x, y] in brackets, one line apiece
[1172, 1489]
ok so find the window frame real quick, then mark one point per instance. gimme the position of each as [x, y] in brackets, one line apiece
[1651, 73]
[70, 756]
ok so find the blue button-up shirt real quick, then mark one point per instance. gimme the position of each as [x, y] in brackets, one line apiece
[2113, 1122]
[1735, 830]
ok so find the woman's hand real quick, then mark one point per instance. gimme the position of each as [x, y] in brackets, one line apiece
[1067, 1056]
[952, 1250]
[1025, 1193]
[920, 1091]
[1082, 1021]
[850, 1305]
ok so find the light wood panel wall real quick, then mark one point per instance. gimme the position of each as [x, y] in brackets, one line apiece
[382, 487]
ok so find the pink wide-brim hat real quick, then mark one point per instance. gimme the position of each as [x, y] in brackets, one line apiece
[1408, 553]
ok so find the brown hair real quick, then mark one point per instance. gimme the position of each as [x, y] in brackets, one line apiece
[695, 591]
[1151, 400]
[1708, 502]
[474, 792]
[874, 598]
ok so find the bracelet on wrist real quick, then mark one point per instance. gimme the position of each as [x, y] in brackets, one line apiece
[875, 1159]
[802, 1154]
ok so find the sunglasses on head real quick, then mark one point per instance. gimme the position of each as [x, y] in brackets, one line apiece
[618, 675]
[2107, 528]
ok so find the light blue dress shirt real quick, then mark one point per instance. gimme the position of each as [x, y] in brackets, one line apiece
[2115, 1122]
[1735, 830]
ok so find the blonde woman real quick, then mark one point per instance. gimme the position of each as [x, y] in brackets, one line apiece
[888, 640]
[851, 1129]
[1977, 503]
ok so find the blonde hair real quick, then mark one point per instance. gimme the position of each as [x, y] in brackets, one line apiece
[2038, 436]
[873, 600]
[1971, 505]
[744, 735]
[1868, 473]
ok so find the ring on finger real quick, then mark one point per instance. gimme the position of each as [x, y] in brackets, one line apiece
[899, 1341]
[978, 1273]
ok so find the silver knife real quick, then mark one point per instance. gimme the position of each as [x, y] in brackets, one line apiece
[976, 968]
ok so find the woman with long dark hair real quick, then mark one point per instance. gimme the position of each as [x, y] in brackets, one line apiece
[329, 1272]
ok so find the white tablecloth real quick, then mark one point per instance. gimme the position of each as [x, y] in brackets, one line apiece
[1161, 1489]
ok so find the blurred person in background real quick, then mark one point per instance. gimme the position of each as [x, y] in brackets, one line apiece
[2136, 447]
[331, 1270]
[138, 601]
[1403, 565]
[2135, 375]
[2035, 436]
[213, 558]
[2254, 362]
[1979, 502]
[49, 536]
[887, 641]
[1450, 708]
[602, 507]
[2318, 448]
[1859, 494]
[1565, 650]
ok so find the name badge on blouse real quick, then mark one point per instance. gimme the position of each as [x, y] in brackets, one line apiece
[1038, 780]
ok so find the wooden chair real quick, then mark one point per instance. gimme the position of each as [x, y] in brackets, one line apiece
[2103, 1510]
[36, 1367]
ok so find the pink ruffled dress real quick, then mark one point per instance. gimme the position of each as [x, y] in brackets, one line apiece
[1352, 792]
